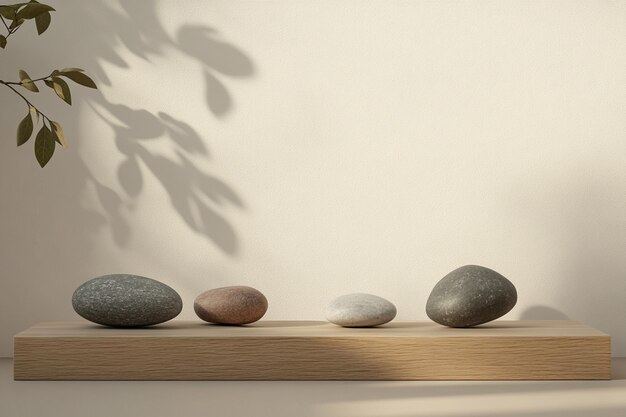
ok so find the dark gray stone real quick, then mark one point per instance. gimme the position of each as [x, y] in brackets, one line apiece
[360, 310]
[122, 300]
[469, 296]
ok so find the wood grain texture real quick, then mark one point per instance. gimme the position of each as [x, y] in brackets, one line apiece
[266, 350]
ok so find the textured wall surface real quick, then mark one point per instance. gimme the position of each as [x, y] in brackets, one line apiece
[310, 149]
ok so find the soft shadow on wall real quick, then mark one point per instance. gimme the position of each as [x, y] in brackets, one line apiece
[583, 221]
[53, 223]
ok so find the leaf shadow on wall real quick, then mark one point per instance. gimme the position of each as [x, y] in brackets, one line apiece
[198, 197]
[194, 194]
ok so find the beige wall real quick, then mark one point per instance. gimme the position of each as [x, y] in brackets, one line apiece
[311, 149]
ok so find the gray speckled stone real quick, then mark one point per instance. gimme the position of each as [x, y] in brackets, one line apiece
[360, 310]
[122, 300]
[469, 296]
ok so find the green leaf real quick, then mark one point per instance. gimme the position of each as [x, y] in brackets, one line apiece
[3, 41]
[43, 22]
[72, 70]
[32, 10]
[29, 85]
[49, 83]
[62, 90]
[79, 78]
[16, 23]
[44, 146]
[24, 130]
[24, 76]
[57, 131]
[34, 113]
[17, 6]
[27, 82]
[7, 12]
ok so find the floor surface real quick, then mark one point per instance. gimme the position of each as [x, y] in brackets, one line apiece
[307, 398]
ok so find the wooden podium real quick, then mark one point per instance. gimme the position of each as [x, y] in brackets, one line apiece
[311, 350]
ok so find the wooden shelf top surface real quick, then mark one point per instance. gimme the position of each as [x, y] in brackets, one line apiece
[286, 329]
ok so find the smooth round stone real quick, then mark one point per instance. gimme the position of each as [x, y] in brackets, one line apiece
[469, 296]
[122, 300]
[360, 310]
[231, 305]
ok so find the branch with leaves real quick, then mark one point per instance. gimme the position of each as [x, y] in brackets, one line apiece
[50, 132]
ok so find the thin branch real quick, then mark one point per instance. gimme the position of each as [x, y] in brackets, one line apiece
[19, 83]
[11, 31]
[26, 100]
[6, 26]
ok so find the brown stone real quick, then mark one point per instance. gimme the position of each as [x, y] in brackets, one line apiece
[231, 305]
